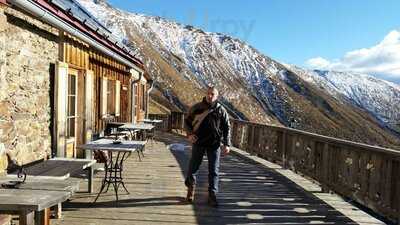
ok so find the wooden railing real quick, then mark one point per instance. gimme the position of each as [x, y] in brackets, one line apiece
[366, 174]
[177, 120]
[164, 125]
[369, 175]
[173, 121]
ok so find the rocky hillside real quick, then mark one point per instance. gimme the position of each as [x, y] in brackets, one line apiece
[183, 60]
[378, 97]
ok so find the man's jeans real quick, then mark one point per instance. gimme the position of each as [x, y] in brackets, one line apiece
[213, 155]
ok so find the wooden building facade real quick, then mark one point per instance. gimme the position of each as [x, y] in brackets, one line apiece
[93, 89]
[98, 89]
[95, 80]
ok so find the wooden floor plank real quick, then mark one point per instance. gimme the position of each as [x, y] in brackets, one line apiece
[250, 193]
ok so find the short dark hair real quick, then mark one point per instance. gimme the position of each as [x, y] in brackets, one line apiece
[211, 87]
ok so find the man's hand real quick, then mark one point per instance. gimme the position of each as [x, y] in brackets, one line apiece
[225, 150]
[192, 138]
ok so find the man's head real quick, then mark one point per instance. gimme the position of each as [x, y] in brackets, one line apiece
[212, 95]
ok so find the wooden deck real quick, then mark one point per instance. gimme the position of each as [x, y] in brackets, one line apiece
[251, 193]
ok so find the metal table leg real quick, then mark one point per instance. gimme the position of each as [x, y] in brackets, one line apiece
[113, 174]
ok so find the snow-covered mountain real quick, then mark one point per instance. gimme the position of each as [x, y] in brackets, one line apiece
[378, 97]
[183, 60]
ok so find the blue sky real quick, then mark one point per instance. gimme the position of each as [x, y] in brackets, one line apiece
[310, 33]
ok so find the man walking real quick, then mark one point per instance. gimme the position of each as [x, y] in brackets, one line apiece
[207, 125]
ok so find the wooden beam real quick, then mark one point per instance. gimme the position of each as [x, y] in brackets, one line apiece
[67, 58]
[78, 54]
[42, 217]
[58, 211]
[61, 46]
[26, 217]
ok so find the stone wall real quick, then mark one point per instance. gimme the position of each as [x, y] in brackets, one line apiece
[28, 53]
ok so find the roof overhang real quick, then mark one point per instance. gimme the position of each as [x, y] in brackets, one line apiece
[49, 13]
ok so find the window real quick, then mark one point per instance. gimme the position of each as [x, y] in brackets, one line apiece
[111, 97]
[136, 100]
[117, 98]
[143, 100]
[71, 113]
[103, 99]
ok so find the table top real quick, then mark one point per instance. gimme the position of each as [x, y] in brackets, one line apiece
[116, 123]
[20, 199]
[150, 121]
[33, 183]
[138, 126]
[59, 168]
[108, 145]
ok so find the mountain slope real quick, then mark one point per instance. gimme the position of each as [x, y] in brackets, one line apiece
[184, 59]
[378, 97]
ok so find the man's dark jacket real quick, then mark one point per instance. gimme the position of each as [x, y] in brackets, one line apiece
[215, 127]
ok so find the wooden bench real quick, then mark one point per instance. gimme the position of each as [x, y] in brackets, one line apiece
[31, 205]
[59, 168]
[70, 185]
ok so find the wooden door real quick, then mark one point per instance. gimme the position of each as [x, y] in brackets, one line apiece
[135, 102]
[72, 113]
[80, 118]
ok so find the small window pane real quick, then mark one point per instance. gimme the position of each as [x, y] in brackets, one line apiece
[136, 99]
[71, 85]
[111, 97]
[71, 127]
[143, 97]
[71, 106]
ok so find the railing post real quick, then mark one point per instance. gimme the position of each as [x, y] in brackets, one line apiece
[234, 133]
[259, 140]
[284, 150]
[183, 122]
[170, 123]
[325, 168]
[242, 133]
[250, 142]
[249, 137]
[232, 123]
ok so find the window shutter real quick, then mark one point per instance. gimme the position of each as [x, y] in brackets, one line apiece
[117, 97]
[89, 89]
[103, 100]
[60, 103]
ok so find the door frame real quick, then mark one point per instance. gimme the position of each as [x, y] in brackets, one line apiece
[70, 148]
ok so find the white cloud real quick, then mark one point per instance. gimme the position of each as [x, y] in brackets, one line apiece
[382, 60]
[318, 63]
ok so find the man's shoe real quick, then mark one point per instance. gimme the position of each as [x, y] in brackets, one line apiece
[190, 194]
[212, 200]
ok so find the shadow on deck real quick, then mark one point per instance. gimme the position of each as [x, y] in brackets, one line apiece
[250, 193]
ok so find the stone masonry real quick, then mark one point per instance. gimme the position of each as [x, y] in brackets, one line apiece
[28, 50]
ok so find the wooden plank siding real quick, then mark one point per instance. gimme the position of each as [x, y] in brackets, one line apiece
[367, 174]
[105, 67]
[74, 52]
[82, 57]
